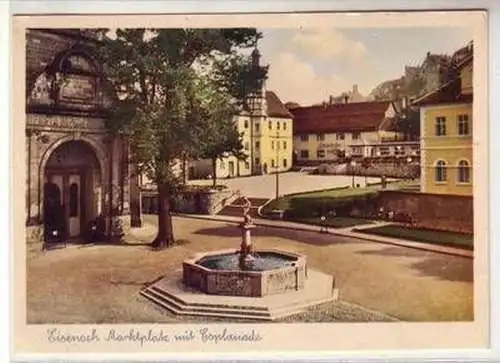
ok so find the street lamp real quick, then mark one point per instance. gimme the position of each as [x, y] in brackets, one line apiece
[353, 164]
[277, 163]
[409, 160]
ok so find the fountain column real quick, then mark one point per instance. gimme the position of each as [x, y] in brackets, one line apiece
[246, 248]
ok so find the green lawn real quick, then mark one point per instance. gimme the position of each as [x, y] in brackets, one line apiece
[444, 238]
[337, 222]
[283, 203]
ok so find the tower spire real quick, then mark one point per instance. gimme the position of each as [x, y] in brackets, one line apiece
[256, 54]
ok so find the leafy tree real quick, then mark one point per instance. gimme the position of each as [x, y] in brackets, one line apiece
[221, 134]
[153, 72]
[225, 95]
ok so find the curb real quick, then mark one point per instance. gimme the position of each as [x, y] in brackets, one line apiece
[401, 243]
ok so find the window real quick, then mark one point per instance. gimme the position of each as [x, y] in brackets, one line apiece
[257, 145]
[320, 153]
[440, 171]
[399, 150]
[463, 125]
[257, 127]
[222, 164]
[440, 126]
[246, 145]
[284, 163]
[272, 163]
[73, 200]
[277, 125]
[257, 161]
[384, 151]
[356, 135]
[270, 125]
[304, 154]
[357, 150]
[284, 145]
[320, 137]
[340, 136]
[247, 165]
[272, 145]
[284, 125]
[304, 137]
[246, 124]
[463, 172]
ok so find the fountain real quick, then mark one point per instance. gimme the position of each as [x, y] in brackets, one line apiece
[246, 271]
[244, 283]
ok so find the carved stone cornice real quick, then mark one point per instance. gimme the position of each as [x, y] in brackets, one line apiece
[65, 123]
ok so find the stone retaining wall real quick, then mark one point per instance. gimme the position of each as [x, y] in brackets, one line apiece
[433, 211]
[192, 202]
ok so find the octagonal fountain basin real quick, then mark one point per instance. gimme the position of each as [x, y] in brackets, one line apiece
[270, 272]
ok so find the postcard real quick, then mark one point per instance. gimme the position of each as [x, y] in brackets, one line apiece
[239, 183]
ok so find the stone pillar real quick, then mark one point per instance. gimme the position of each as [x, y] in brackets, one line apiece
[34, 186]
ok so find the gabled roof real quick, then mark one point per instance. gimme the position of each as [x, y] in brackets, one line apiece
[345, 117]
[275, 108]
[448, 93]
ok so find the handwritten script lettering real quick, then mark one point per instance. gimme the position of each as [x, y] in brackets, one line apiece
[153, 336]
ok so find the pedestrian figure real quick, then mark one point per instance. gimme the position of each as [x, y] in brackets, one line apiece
[323, 225]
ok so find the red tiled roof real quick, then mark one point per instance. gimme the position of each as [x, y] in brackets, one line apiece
[448, 93]
[344, 117]
[275, 108]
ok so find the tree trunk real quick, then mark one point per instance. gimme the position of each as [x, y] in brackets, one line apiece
[214, 172]
[165, 236]
[135, 198]
[184, 174]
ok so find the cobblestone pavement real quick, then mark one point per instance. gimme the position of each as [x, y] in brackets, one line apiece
[100, 284]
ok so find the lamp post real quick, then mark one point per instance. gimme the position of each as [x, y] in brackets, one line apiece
[409, 160]
[353, 164]
[277, 163]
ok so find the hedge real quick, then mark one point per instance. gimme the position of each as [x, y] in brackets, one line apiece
[343, 206]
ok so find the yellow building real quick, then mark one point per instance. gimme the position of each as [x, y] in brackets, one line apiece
[446, 134]
[267, 137]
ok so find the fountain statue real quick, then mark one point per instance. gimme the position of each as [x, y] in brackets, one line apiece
[246, 252]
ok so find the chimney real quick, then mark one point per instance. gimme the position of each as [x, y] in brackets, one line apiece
[346, 99]
[354, 89]
[330, 100]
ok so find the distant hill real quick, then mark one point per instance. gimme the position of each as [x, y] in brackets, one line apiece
[435, 70]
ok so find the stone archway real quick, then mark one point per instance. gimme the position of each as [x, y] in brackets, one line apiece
[74, 171]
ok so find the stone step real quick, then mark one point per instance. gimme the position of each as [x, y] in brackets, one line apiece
[256, 202]
[177, 306]
[188, 309]
[202, 305]
[235, 211]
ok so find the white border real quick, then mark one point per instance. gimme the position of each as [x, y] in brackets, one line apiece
[95, 7]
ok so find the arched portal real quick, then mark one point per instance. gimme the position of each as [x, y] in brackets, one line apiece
[72, 189]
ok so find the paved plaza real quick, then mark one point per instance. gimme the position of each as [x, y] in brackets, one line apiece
[264, 186]
[399, 282]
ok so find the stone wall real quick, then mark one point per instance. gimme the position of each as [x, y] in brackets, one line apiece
[204, 201]
[433, 211]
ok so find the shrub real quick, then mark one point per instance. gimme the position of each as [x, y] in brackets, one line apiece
[364, 205]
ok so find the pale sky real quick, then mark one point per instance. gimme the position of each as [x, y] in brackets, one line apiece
[308, 65]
